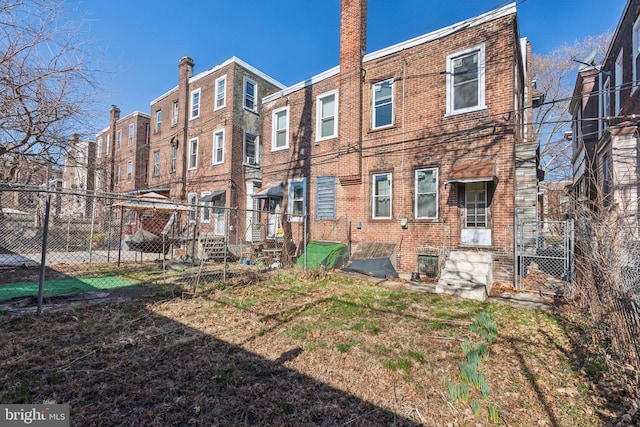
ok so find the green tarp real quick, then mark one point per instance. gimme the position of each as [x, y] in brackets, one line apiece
[325, 255]
[63, 286]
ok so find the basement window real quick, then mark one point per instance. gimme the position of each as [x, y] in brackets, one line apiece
[428, 265]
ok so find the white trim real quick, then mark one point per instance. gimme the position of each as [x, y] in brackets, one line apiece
[416, 193]
[245, 158]
[206, 207]
[373, 104]
[189, 153]
[319, 104]
[635, 52]
[193, 92]
[132, 132]
[175, 112]
[193, 207]
[216, 93]
[373, 195]
[443, 32]
[619, 80]
[246, 80]
[290, 194]
[481, 80]
[213, 155]
[275, 129]
[157, 152]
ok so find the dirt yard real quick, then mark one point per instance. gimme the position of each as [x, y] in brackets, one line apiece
[307, 349]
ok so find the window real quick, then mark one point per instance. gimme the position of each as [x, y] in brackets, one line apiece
[326, 116]
[606, 103]
[382, 196]
[131, 131]
[427, 193]
[119, 139]
[221, 92]
[174, 158]
[218, 147]
[326, 197]
[195, 104]
[476, 204]
[297, 199]
[383, 104]
[156, 163]
[280, 137]
[193, 153]
[636, 53]
[251, 149]
[465, 80]
[205, 214]
[192, 199]
[175, 113]
[99, 148]
[118, 174]
[158, 120]
[129, 170]
[250, 93]
[618, 82]
[606, 180]
[108, 141]
[98, 179]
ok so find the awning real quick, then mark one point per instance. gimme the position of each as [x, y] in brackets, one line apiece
[213, 196]
[274, 190]
[472, 171]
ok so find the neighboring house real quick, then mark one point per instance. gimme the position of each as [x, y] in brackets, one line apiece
[78, 177]
[606, 124]
[413, 146]
[205, 139]
[554, 201]
[122, 153]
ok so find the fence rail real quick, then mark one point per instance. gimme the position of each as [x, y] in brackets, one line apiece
[56, 241]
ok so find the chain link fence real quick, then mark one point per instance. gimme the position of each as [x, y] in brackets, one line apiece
[63, 242]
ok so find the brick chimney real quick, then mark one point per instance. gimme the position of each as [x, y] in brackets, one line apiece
[353, 39]
[185, 72]
[114, 116]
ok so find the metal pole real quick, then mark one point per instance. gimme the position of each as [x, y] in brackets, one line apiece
[304, 238]
[108, 234]
[120, 238]
[226, 243]
[68, 230]
[43, 259]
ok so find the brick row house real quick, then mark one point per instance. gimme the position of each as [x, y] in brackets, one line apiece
[413, 145]
[420, 147]
[605, 108]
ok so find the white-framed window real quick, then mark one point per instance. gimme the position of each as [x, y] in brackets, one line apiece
[98, 180]
[327, 115]
[251, 149]
[99, 148]
[119, 139]
[129, 170]
[606, 180]
[280, 129]
[158, 120]
[108, 144]
[618, 81]
[465, 80]
[193, 153]
[606, 102]
[192, 200]
[195, 104]
[205, 207]
[221, 92]
[218, 147]
[381, 196]
[426, 188]
[636, 53]
[131, 132]
[382, 109]
[175, 112]
[118, 174]
[475, 196]
[250, 94]
[297, 199]
[156, 163]
[174, 158]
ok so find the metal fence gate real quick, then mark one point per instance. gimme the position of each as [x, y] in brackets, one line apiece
[544, 256]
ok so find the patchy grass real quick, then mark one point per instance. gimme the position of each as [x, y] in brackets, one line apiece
[297, 349]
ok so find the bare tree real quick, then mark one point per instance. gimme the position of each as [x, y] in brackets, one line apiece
[555, 74]
[46, 86]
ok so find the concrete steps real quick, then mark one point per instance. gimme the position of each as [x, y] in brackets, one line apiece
[467, 274]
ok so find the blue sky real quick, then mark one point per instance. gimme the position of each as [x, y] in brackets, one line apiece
[141, 41]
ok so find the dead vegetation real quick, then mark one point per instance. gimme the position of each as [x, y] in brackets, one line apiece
[302, 349]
